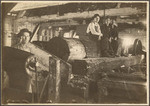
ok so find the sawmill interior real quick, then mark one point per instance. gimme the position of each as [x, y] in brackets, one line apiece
[52, 52]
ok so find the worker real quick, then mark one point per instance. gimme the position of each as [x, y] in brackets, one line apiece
[71, 33]
[94, 31]
[114, 36]
[106, 49]
[24, 37]
[58, 32]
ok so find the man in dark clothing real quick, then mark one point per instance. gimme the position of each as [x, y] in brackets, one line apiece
[106, 49]
[114, 36]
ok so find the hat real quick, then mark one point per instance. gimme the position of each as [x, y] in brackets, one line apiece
[22, 31]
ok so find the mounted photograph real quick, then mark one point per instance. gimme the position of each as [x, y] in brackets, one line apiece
[75, 52]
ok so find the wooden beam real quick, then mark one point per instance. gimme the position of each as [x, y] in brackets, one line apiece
[85, 14]
[118, 5]
[34, 36]
[21, 14]
[30, 5]
[58, 80]
[51, 85]
[56, 71]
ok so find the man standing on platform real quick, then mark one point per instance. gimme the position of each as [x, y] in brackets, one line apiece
[106, 49]
[94, 31]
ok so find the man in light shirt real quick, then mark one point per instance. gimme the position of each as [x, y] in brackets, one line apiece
[94, 31]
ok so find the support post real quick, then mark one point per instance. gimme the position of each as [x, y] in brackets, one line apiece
[54, 80]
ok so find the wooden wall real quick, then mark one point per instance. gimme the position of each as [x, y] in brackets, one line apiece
[7, 31]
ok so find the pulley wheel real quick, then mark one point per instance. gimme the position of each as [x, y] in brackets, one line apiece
[137, 47]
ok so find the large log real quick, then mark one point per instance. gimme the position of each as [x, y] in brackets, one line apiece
[70, 49]
[67, 49]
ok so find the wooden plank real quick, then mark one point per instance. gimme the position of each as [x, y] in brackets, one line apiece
[36, 83]
[34, 36]
[51, 85]
[55, 80]
[58, 80]
[86, 93]
[69, 73]
[42, 56]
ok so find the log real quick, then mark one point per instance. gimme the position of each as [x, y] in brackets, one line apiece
[66, 48]
[85, 14]
[93, 66]
[70, 49]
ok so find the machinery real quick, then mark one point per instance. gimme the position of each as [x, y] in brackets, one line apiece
[94, 74]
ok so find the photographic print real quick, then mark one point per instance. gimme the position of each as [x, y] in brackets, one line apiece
[75, 52]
